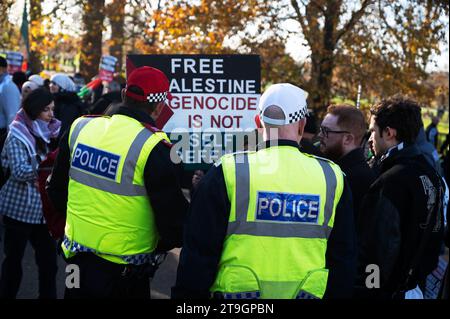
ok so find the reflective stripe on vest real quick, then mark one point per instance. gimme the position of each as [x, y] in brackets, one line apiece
[244, 227]
[241, 295]
[256, 295]
[126, 186]
[75, 247]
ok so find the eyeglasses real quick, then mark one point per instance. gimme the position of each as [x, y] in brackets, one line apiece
[325, 131]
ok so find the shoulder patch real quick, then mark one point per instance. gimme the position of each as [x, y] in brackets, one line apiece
[320, 158]
[166, 143]
[150, 127]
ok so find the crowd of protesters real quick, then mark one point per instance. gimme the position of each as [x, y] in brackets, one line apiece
[382, 155]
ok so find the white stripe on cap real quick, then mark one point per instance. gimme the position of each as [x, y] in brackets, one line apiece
[268, 120]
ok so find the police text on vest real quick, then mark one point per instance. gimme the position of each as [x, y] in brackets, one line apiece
[96, 161]
[286, 207]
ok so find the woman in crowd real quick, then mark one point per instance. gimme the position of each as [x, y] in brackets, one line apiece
[28, 143]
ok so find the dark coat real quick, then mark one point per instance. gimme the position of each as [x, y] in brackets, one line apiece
[393, 217]
[104, 101]
[359, 175]
[68, 107]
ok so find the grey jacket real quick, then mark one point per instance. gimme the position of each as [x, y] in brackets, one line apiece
[9, 100]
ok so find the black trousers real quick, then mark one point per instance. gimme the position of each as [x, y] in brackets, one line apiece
[100, 278]
[17, 234]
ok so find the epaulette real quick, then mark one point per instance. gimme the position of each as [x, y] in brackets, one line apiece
[320, 158]
[153, 129]
[219, 161]
[166, 143]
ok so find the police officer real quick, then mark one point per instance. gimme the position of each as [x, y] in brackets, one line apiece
[115, 178]
[274, 223]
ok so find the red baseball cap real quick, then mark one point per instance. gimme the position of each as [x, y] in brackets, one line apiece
[152, 82]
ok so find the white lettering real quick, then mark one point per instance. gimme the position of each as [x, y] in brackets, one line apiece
[174, 87]
[302, 208]
[209, 85]
[90, 164]
[250, 86]
[77, 153]
[175, 63]
[73, 279]
[85, 155]
[104, 168]
[263, 204]
[197, 85]
[373, 279]
[189, 64]
[285, 213]
[272, 212]
[313, 209]
[113, 167]
[218, 66]
[205, 66]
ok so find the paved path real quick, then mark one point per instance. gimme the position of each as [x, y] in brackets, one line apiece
[160, 286]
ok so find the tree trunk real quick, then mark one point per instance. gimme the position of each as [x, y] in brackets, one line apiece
[91, 42]
[35, 58]
[323, 60]
[116, 14]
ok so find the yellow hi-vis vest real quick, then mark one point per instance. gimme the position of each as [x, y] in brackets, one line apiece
[108, 211]
[283, 204]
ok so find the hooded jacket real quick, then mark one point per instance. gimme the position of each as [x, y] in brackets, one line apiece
[393, 219]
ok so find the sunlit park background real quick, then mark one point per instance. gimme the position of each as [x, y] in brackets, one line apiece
[357, 51]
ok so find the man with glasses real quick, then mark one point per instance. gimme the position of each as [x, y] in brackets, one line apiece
[341, 137]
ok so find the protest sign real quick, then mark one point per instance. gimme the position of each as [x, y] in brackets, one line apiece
[107, 68]
[15, 60]
[215, 100]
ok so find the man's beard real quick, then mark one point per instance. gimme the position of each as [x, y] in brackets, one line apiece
[333, 152]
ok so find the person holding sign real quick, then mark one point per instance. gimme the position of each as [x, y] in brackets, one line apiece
[115, 178]
[273, 223]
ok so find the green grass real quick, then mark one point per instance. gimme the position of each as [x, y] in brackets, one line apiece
[442, 126]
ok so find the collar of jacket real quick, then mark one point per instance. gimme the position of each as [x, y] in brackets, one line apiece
[351, 159]
[400, 151]
[136, 114]
[274, 143]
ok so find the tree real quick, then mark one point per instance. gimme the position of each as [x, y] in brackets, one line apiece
[389, 53]
[36, 36]
[199, 27]
[9, 35]
[91, 42]
[323, 26]
[116, 14]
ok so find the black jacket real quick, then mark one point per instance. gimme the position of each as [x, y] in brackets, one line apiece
[68, 107]
[393, 219]
[206, 227]
[161, 178]
[306, 146]
[359, 175]
[104, 101]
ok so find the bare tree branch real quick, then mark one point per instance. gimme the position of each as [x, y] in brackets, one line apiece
[301, 19]
[356, 16]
